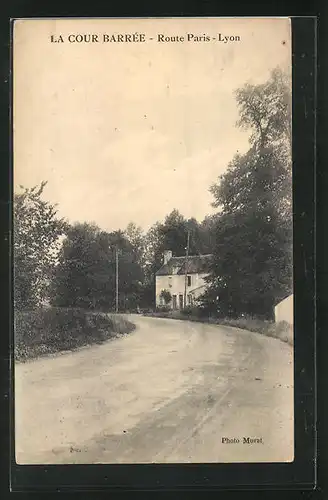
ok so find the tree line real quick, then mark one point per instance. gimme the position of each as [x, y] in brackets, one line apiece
[250, 234]
[81, 271]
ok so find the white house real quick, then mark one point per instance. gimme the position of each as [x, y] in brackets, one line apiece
[176, 273]
[284, 311]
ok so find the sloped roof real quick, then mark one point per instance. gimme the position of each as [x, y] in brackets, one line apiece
[177, 265]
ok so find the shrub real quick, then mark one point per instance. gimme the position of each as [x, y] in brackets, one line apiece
[163, 309]
[166, 296]
[53, 329]
[186, 311]
[194, 311]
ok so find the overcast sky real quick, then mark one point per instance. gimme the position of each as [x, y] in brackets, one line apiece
[127, 132]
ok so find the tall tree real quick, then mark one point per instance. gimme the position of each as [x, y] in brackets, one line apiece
[86, 273]
[207, 230]
[37, 239]
[201, 235]
[266, 109]
[174, 232]
[252, 266]
[131, 272]
[136, 238]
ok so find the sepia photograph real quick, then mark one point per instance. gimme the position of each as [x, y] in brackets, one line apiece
[153, 241]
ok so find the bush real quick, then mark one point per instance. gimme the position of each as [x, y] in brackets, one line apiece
[166, 296]
[45, 331]
[163, 309]
[194, 311]
[187, 311]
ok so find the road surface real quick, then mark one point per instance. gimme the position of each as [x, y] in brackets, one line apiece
[172, 391]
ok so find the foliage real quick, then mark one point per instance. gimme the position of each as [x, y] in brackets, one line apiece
[51, 330]
[206, 239]
[250, 237]
[86, 273]
[146, 288]
[195, 311]
[252, 265]
[172, 235]
[166, 296]
[136, 238]
[37, 232]
[163, 309]
[266, 109]
[257, 181]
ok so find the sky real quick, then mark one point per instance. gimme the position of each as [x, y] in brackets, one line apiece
[129, 131]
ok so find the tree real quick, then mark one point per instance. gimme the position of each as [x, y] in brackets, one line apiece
[136, 238]
[252, 265]
[172, 235]
[266, 109]
[86, 273]
[131, 272]
[201, 235]
[37, 239]
[207, 233]
[259, 179]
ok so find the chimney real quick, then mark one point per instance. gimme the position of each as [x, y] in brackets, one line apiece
[167, 256]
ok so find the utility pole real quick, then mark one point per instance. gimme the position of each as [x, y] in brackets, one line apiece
[116, 257]
[186, 269]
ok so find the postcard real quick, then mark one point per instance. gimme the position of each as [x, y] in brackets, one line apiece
[153, 256]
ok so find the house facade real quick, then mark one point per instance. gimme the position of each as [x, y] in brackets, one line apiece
[178, 273]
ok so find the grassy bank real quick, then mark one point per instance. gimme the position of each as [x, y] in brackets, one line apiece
[51, 330]
[282, 330]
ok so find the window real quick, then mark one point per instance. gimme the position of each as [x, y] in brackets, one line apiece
[189, 299]
[189, 280]
[174, 300]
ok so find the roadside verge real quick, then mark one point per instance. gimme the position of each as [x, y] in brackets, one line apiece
[281, 330]
[52, 330]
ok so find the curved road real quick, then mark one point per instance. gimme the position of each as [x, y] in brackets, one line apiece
[169, 392]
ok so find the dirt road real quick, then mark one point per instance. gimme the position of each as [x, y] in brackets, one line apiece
[172, 391]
